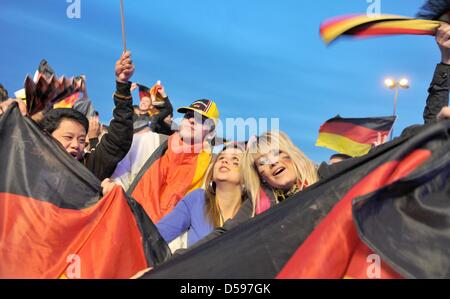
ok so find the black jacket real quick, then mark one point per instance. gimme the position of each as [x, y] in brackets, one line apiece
[117, 142]
[437, 93]
[157, 123]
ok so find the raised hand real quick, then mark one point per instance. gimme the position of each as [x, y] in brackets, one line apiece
[124, 68]
[443, 41]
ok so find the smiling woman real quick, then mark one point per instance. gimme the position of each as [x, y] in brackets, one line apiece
[202, 211]
[272, 162]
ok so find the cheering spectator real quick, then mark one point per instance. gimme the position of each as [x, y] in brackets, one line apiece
[201, 211]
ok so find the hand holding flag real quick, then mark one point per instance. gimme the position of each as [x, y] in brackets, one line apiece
[443, 41]
[124, 67]
[158, 94]
[5, 105]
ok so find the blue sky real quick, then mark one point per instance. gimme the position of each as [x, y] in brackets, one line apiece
[255, 58]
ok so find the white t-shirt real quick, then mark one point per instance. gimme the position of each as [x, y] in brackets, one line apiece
[143, 146]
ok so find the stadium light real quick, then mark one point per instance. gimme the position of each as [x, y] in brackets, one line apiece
[396, 85]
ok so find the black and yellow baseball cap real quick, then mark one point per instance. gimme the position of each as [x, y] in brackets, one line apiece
[205, 107]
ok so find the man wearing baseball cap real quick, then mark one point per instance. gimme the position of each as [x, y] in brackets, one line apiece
[179, 165]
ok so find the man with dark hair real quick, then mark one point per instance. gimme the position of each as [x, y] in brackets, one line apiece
[71, 130]
[70, 127]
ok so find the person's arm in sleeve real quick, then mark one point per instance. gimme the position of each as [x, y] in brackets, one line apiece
[439, 87]
[117, 142]
[176, 222]
[243, 215]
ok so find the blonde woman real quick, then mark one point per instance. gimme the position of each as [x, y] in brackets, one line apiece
[274, 169]
[202, 211]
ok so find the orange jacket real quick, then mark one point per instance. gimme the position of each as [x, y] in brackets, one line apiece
[172, 175]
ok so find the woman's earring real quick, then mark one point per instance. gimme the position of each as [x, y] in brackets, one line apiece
[212, 185]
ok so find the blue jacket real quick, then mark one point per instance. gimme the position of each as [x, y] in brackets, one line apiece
[188, 215]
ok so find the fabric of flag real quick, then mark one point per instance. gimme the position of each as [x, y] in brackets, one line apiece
[392, 203]
[170, 173]
[144, 91]
[363, 25]
[354, 136]
[46, 92]
[55, 224]
[67, 102]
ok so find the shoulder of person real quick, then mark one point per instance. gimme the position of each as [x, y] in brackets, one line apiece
[197, 194]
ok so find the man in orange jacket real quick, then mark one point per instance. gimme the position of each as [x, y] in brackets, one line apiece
[179, 165]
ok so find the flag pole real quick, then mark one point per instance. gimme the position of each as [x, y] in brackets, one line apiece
[123, 26]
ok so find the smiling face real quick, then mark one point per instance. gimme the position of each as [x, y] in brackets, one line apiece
[145, 104]
[277, 169]
[226, 168]
[72, 136]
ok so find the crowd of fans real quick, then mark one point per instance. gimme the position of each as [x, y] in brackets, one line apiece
[223, 190]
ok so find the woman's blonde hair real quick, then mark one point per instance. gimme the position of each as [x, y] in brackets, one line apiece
[305, 169]
[212, 207]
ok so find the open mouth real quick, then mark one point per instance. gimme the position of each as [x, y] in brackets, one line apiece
[224, 168]
[74, 154]
[278, 171]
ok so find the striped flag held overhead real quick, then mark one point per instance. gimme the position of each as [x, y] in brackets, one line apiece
[354, 136]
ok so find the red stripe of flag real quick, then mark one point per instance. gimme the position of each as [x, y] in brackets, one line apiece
[389, 31]
[354, 132]
[329, 250]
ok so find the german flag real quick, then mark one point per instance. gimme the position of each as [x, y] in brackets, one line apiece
[54, 222]
[172, 171]
[383, 215]
[144, 91]
[67, 102]
[362, 25]
[354, 136]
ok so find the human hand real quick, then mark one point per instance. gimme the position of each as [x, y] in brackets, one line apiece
[124, 67]
[133, 86]
[141, 273]
[95, 128]
[444, 114]
[443, 41]
[380, 139]
[161, 90]
[107, 186]
[5, 105]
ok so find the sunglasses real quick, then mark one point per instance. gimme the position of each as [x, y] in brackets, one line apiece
[192, 114]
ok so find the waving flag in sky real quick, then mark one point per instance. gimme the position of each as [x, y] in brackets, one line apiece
[431, 16]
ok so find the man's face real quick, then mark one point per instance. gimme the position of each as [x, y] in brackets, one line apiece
[145, 104]
[72, 136]
[194, 127]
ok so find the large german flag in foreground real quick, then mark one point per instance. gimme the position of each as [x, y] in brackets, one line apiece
[385, 215]
[53, 221]
[354, 136]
